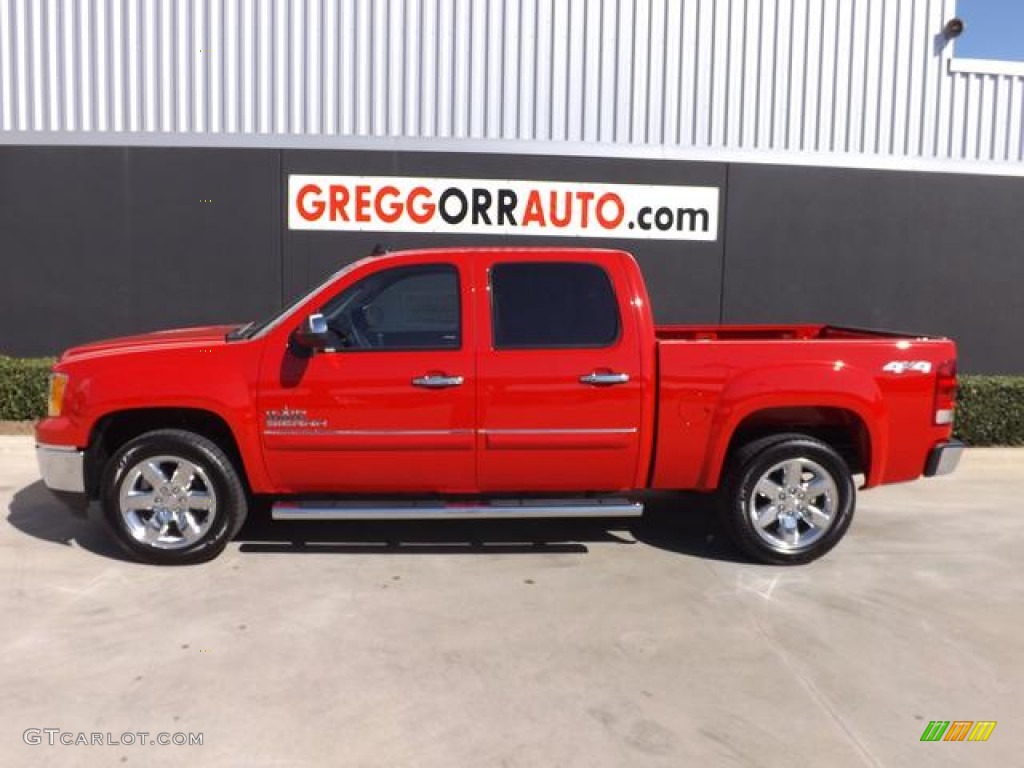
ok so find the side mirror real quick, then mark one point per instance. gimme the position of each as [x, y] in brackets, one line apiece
[313, 334]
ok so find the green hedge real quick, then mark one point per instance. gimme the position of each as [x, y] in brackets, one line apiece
[23, 386]
[990, 410]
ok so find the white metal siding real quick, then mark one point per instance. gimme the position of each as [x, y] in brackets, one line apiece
[846, 78]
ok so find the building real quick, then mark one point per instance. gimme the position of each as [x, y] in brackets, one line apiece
[814, 160]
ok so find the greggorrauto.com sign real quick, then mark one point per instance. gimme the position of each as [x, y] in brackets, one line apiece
[500, 207]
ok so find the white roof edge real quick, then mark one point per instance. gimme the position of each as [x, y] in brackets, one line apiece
[987, 66]
[493, 146]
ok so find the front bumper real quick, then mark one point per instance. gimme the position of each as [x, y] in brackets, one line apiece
[944, 458]
[62, 467]
[63, 471]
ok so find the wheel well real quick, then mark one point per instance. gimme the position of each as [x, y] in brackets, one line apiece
[839, 428]
[116, 429]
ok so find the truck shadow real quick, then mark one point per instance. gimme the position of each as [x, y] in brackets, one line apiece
[684, 524]
[687, 524]
[35, 512]
[415, 537]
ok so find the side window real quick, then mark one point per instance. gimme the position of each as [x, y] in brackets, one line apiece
[413, 307]
[552, 305]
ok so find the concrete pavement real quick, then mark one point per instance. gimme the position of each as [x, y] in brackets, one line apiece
[510, 644]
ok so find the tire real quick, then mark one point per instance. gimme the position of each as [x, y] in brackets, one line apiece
[787, 499]
[173, 497]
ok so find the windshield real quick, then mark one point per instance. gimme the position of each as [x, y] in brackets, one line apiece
[250, 330]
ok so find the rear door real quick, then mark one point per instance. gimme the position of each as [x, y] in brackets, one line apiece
[560, 389]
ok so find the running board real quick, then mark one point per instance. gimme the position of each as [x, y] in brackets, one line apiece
[500, 509]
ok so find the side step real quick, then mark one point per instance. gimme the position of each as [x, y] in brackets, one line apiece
[498, 509]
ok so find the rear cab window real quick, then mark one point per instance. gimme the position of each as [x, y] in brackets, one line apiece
[553, 305]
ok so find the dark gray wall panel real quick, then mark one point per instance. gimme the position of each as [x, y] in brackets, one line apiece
[684, 277]
[63, 247]
[98, 242]
[930, 253]
[195, 261]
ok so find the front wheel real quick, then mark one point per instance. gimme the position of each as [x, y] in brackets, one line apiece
[173, 497]
[788, 499]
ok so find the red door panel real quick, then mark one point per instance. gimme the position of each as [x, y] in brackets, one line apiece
[370, 417]
[563, 418]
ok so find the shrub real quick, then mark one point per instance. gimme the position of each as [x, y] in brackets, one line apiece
[990, 410]
[23, 385]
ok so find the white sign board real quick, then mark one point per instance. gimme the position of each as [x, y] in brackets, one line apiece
[502, 207]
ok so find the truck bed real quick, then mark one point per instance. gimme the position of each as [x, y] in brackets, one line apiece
[876, 385]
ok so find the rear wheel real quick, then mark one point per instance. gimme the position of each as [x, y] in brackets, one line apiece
[788, 499]
[173, 497]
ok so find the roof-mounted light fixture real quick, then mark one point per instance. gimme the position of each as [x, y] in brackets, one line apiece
[954, 28]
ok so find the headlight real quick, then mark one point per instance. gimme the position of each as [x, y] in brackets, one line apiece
[58, 384]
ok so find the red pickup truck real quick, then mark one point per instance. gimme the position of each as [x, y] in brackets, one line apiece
[491, 382]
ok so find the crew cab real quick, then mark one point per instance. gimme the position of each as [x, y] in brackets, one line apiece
[491, 382]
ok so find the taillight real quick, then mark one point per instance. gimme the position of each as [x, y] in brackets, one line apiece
[945, 392]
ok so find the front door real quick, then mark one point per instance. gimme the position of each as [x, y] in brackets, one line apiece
[560, 378]
[390, 407]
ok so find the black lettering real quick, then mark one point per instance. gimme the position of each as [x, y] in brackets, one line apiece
[663, 219]
[507, 201]
[644, 218]
[691, 215]
[481, 202]
[442, 205]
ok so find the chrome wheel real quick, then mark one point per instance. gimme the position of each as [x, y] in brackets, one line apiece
[793, 504]
[167, 502]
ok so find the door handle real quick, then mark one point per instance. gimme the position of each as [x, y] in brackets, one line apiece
[596, 379]
[437, 381]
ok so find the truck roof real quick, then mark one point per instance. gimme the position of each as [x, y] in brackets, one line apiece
[529, 249]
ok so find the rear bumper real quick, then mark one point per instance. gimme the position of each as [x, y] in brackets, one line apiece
[63, 471]
[944, 458]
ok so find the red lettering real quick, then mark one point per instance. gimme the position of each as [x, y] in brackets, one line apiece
[561, 221]
[584, 198]
[362, 202]
[339, 201]
[393, 212]
[426, 211]
[313, 211]
[616, 201]
[365, 203]
[534, 210]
